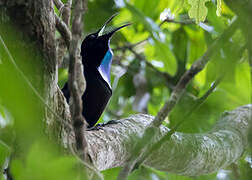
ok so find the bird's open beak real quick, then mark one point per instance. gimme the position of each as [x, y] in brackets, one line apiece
[100, 32]
[117, 29]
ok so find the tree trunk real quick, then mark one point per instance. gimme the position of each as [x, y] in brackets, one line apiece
[185, 154]
[36, 19]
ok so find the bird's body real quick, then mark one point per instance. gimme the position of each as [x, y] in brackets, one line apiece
[98, 91]
[97, 94]
[97, 59]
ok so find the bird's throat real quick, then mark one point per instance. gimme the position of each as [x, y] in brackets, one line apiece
[104, 68]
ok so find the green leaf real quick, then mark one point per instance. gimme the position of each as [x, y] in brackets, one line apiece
[130, 34]
[148, 23]
[112, 173]
[62, 77]
[197, 45]
[160, 51]
[4, 153]
[218, 11]
[164, 54]
[239, 91]
[127, 80]
[141, 173]
[98, 12]
[180, 42]
[148, 7]
[43, 162]
[198, 10]
[219, 23]
[158, 97]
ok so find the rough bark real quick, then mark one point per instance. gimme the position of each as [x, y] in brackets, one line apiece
[36, 19]
[184, 154]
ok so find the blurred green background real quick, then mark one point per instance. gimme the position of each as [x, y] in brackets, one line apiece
[143, 75]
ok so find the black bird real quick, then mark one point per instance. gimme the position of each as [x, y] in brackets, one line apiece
[96, 58]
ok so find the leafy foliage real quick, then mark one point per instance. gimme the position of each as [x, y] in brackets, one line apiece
[198, 10]
[167, 49]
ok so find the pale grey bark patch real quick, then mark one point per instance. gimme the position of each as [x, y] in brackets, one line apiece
[185, 154]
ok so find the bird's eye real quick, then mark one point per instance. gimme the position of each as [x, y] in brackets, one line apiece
[92, 36]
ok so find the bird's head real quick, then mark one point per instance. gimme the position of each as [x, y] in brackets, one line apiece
[95, 45]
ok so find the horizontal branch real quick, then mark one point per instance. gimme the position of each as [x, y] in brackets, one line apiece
[184, 154]
[141, 150]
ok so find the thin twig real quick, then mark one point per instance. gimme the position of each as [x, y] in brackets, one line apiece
[64, 9]
[64, 30]
[79, 122]
[194, 108]
[129, 46]
[182, 22]
[66, 12]
[166, 76]
[188, 75]
[59, 4]
[209, 91]
[62, 25]
[150, 132]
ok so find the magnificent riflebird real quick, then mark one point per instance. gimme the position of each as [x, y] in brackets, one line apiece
[96, 58]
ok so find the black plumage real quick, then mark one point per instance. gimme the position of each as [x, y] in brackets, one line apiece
[96, 58]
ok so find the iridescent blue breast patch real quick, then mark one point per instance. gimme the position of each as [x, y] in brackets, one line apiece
[104, 68]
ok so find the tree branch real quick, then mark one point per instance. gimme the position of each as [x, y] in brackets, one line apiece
[187, 114]
[64, 30]
[184, 154]
[76, 82]
[167, 20]
[59, 4]
[195, 154]
[62, 27]
[143, 146]
[189, 75]
[165, 75]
